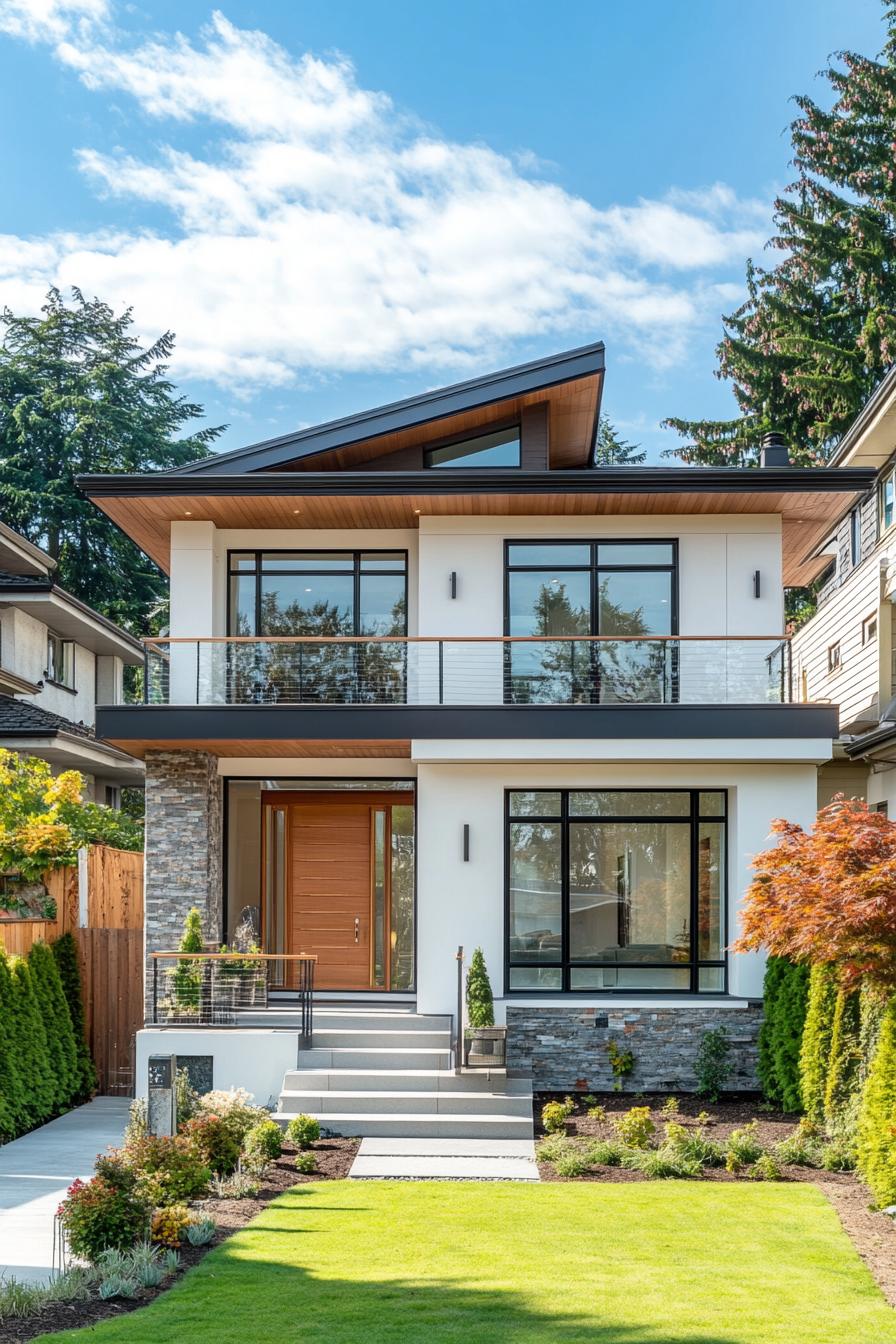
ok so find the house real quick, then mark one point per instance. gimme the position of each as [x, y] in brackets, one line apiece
[434, 680]
[57, 659]
[845, 653]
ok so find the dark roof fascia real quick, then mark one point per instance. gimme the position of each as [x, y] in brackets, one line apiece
[868, 743]
[880, 394]
[24, 589]
[566, 367]
[594, 480]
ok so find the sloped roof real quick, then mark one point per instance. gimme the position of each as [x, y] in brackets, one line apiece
[22, 718]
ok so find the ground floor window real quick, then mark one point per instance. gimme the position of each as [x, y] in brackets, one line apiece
[616, 890]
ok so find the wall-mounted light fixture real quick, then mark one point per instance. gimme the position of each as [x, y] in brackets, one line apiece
[452, 583]
[466, 842]
[757, 584]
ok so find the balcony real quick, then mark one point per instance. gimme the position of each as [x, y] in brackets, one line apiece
[475, 671]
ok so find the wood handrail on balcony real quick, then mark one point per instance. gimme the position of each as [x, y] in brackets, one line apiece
[236, 956]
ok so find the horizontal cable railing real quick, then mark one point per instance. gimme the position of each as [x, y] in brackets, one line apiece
[480, 670]
[210, 988]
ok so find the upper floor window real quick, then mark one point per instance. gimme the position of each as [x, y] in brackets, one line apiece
[500, 449]
[855, 536]
[834, 657]
[620, 590]
[60, 661]
[324, 593]
[886, 500]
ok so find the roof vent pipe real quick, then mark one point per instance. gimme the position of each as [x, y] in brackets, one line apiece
[773, 451]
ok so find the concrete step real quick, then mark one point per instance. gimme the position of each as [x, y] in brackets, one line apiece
[357, 1124]
[391, 1057]
[303, 1102]
[404, 1080]
[327, 1019]
[379, 1038]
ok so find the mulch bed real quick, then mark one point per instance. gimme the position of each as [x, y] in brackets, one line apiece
[873, 1234]
[334, 1159]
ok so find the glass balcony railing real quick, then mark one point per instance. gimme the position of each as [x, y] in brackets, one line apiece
[474, 671]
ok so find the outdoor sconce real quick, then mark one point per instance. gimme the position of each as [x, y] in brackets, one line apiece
[757, 584]
[452, 583]
[466, 842]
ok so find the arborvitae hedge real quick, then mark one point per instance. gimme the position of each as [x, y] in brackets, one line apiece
[780, 1036]
[62, 1050]
[31, 1044]
[65, 951]
[845, 1058]
[815, 1052]
[877, 1116]
[12, 1096]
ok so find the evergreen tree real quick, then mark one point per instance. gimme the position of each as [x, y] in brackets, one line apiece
[80, 394]
[818, 329]
[13, 1110]
[780, 1036]
[65, 951]
[62, 1050]
[845, 1061]
[612, 451]
[480, 1004]
[815, 1051]
[31, 1045]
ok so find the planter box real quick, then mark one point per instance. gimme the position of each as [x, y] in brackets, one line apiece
[485, 1048]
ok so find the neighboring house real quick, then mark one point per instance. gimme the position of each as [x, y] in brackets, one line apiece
[846, 653]
[57, 659]
[435, 680]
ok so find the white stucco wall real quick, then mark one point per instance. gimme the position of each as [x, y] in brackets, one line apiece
[24, 643]
[255, 1060]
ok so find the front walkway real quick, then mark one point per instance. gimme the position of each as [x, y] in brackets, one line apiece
[35, 1172]
[445, 1160]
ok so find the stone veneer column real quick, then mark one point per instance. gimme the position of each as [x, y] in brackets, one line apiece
[183, 849]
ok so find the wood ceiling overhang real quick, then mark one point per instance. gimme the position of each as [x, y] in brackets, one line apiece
[810, 501]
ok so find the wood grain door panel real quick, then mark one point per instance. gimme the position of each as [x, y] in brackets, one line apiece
[329, 889]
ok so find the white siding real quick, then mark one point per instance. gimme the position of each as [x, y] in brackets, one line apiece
[855, 685]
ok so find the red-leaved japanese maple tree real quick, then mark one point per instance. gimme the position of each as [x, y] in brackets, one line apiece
[828, 894]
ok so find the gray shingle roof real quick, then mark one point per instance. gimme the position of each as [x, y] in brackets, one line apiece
[21, 718]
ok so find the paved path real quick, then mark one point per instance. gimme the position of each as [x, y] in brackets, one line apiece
[446, 1160]
[35, 1172]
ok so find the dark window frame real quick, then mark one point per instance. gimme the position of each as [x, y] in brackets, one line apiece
[67, 647]
[311, 572]
[694, 965]
[855, 537]
[458, 440]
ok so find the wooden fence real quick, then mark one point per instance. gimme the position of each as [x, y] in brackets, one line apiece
[101, 904]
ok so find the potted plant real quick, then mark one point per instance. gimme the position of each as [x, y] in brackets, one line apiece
[484, 1043]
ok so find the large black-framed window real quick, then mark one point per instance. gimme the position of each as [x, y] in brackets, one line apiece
[359, 596]
[615, 891]
[619, 589]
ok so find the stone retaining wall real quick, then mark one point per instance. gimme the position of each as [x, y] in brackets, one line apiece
[564, 1049]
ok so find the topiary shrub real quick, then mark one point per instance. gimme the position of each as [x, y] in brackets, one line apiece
[785, 995]
[187, 978]
[303, 1130]
[62, 1049]
[480, 1002]
[844, 1062]
[815, 1052]
[876, 1134]
[65, 950]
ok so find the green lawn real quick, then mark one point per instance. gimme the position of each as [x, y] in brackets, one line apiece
[648, 1263]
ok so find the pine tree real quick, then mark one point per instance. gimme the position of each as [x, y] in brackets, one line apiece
[480, 1004]
[79, 394]
[65, 951]
[612, 451]
[62, 1051]
[818, 329]
[31, 1045]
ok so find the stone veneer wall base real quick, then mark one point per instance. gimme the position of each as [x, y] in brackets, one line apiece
[565, 1049]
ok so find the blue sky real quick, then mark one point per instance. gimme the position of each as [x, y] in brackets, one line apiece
[335, 203]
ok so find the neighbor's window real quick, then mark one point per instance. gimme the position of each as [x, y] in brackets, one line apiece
[869, 628]
[834, 663]
[886, 500]
[616, 890]
[499, 449]
[61, 661]
[855, 536]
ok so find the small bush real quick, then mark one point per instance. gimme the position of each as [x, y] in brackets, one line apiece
[665, 1163]
[480, 1001]
[621, 1063]
[598, 1113]
[605, 1153]
[241, 1185]
[19, 1300]
[116, 1285]
[554, 1116]
[589, 1099]
[236, 1107]
[263, 1144]
[170, 1170]
[303, 1130]
[635, 1128]
[213, 1139]
[138, 1121]
[704, 1118]
[170, 1224]
[306, 1163]
[96, 1216]
[838, 1155]
[670, 1108]
[765, 1169]
[554, 1147]
[201, 1232]
[186, 1098]
[743, 1144]
[694, 1146]
[572, 1165]
[801, 1148]
[712, 1065]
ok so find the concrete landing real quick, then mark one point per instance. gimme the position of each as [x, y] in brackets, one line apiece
[35, 1172]
[445, 1160]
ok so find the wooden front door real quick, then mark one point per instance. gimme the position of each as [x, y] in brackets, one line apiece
[330, 873]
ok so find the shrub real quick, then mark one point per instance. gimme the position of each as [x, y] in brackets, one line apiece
[201, 1232]
[555, 1147]
[263, 1144]
[694, 1146]
[743, 1144]
[712, 1066]
[236, 1107]
[114, 1167]
[597, 1113]
[306, 1163]
[241, 1185]
[669, 1108]
[169, 1225]
[38, 1100]
[97, 1216]
[186, 980]
[785, 995]
[137, 1126]
[845, 1057]
[215, 1142]
[554, 1116]
[815, 1052]
[571, 1165]
[65, 951]
[765, 1169]
[186, 1098]
[838, 1155]
[13, 1094]
[303, 1130]
[117, 1285]
[480, 1002]
[621, 1063]
[664, 1163]
[635, 1127]
[801, 1148]
[605, 1153]
[169, 1169]
[876, 1136]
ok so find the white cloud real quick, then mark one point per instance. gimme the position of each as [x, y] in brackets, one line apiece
[324, 230]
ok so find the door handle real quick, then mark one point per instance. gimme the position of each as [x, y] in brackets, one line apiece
[357, 928]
